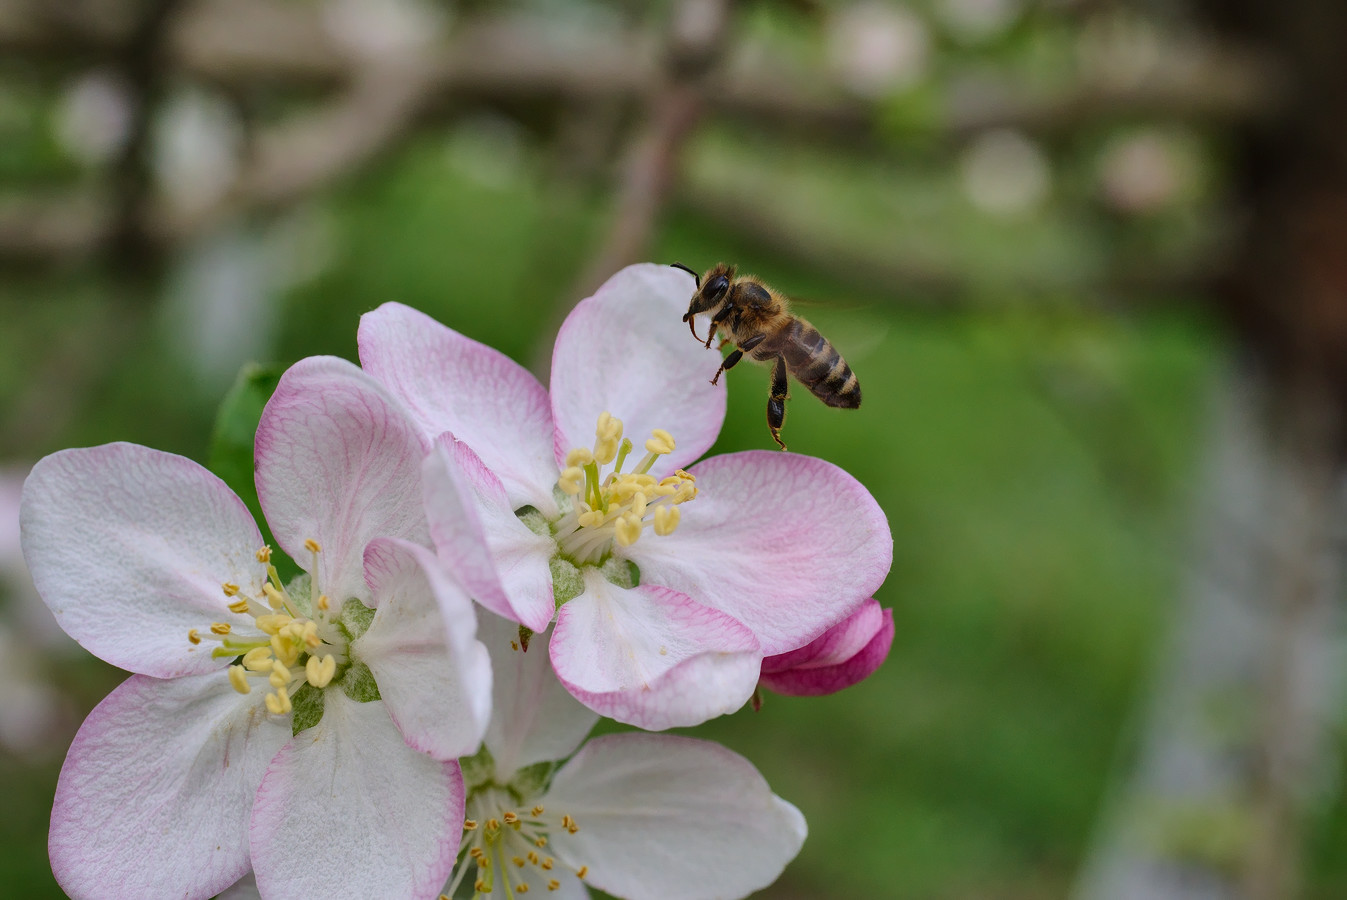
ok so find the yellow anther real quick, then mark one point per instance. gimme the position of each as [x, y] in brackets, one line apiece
[310, 633]
[547, 863]
[553, 884]
[284, 650]
[590, 519]
[626, 530]
[666, 519]
[518, 861]
[533, 857]
[510, 817]
[264, 555]
[609, 427]
[239, 679]
[567, 821]
[258, 659]
[572, 479]
[537, 810]
[324, 604]
[272, 624]
[493, 824]
[280, 675]
[638, 504]
[328, 670]
[470, 825]
[579, 457]
[193, 635]
[582, 872]
[540, 842]
[229, 588]
[313, 546]
[476, 852]
[522, 888]
[660, 442]
[238, 606]
[220, 628]
[274, 597]
[278, 703]
[480, 886]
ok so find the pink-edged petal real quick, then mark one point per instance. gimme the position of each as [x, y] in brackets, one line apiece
[830, 672]
[452, 383]
[432, 672]
[339, 462]
[154, 797]
[348, 810]
[838, 644]
[129, 547]
[652, 657]
[672, 818]
[503, 565]
[533, 718]
[789, 545]
[626, 351]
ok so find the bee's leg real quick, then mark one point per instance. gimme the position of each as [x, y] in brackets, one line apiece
[733, 359]
[725, 312]
[776, 401]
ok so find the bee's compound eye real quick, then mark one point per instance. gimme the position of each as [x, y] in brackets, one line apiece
[716, 287]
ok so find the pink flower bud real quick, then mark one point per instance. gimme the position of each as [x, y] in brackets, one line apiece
[840, 657]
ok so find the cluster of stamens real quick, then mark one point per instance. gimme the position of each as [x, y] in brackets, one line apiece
[617, 506]
[291, 644]
[495, 843]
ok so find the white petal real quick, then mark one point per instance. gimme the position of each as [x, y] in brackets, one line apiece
[452, 383]
[348, 810]
[789, 545]
[475, 531]
[533, 719]
[626, 351]
[243, 889]
[652, 657]
[432, 672]
[129, 547]
[339, 462]
[154, 797]
[671, 818]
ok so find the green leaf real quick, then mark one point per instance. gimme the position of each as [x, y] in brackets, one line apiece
[231, 446]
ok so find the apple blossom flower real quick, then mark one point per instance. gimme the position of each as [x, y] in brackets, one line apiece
[845, 654]
[752, 554]
[640, 816]
[290, 726]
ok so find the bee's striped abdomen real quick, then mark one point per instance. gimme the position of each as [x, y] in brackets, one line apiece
[817, 365]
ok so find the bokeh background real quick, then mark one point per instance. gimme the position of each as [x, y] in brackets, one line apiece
[1088, 258]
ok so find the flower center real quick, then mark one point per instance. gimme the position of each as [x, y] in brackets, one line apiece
[294, 639]
[500, 842]
[616, 506]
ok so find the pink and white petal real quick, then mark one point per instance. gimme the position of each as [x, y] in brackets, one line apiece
[652, 657]
[503, 565]
[155, 794]
[348, 810]
[626, 352]
[338, 461]
[672, 818]
[838, 644]
[452, 383]
[817, 680]
[789, 545]
[129, 546]
[533, 718]
[432, 672]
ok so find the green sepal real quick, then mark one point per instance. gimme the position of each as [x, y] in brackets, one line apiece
[532, 781]
[525, 635]
[355, 618]
[567, 582]
[308, 708]
[358, 683]
[622, 572]
[300, 593]
[231, 446]
[534, 520]
[478, 769]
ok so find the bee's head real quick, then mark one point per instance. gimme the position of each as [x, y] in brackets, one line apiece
[712, 288]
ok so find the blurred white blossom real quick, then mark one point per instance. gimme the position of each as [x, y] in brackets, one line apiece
[196, 148]
[1005, 173]
[1146, 171]
[977, 21]
[93, 117]
[878, 48]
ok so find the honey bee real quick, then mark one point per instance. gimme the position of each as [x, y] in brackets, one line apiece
[758, 321]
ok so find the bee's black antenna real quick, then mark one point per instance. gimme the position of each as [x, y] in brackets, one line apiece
[679, 265]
